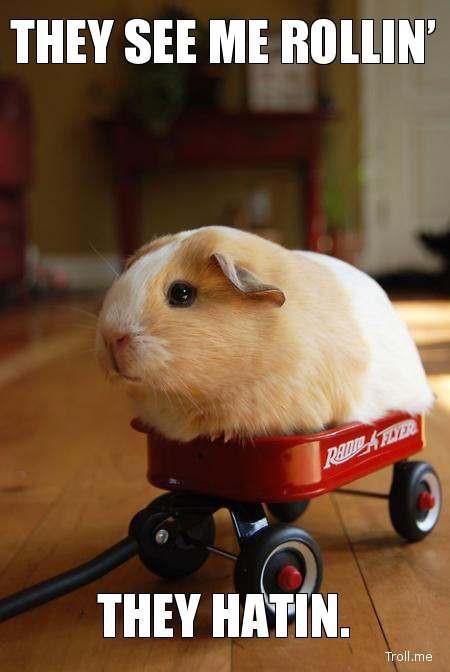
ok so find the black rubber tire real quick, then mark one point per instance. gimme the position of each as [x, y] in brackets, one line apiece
[409, 480]
[287, 512]
[179, 556]
[261, 558]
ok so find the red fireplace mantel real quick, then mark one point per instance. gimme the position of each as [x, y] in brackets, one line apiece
[216, 139]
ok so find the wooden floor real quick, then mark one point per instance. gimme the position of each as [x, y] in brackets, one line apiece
[73, 473]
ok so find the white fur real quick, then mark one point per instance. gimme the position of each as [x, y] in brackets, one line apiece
[123, 313]
[395, 378]
[123, 309]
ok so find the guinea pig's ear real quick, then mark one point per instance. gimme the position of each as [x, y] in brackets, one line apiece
[246, 282]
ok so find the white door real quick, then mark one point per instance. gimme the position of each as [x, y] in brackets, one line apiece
[405, 116]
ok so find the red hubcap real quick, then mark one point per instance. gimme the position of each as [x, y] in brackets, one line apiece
[426, 501]
[289, 578]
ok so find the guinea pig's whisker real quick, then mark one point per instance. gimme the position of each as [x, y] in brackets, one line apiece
[168, 392]
[106, 262]
[84, 312]
[190, 399]
[181, 401]
[87, 327]
[187, 393]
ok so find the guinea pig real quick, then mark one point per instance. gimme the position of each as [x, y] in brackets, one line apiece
[217, 331]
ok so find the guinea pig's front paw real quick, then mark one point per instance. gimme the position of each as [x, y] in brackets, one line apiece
[225, 436]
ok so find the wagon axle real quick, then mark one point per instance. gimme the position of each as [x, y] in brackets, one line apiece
[289, 578]
[426, 501]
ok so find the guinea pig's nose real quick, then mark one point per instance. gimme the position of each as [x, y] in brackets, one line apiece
[122, 341]
[117, 341]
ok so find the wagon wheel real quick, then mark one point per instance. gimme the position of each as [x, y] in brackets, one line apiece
[278, 559]
[414, 500]
[287, 512]
[173, 545]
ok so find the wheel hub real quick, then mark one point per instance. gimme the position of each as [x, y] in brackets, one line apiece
[162, 536]
[289, 578]
[426, 501]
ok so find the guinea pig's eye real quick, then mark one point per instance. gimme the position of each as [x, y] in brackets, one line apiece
[181, 294]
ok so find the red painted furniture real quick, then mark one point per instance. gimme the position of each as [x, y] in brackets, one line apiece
[15, 178]
[208, 139]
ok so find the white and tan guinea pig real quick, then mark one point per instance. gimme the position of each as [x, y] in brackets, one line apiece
[217, 331]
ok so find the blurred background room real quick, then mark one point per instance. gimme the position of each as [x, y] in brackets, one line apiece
[346, 159]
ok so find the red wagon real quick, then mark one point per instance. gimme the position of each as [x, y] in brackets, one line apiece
[176, 531]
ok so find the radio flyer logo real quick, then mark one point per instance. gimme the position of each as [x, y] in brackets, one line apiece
[361, 445]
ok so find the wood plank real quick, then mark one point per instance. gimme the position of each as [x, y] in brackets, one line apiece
[341, 575]
[93, 513]
[102, 467]
[408, 583]
[74, 478]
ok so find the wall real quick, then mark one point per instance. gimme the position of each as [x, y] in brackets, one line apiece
[343, 137]
[71, 201]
